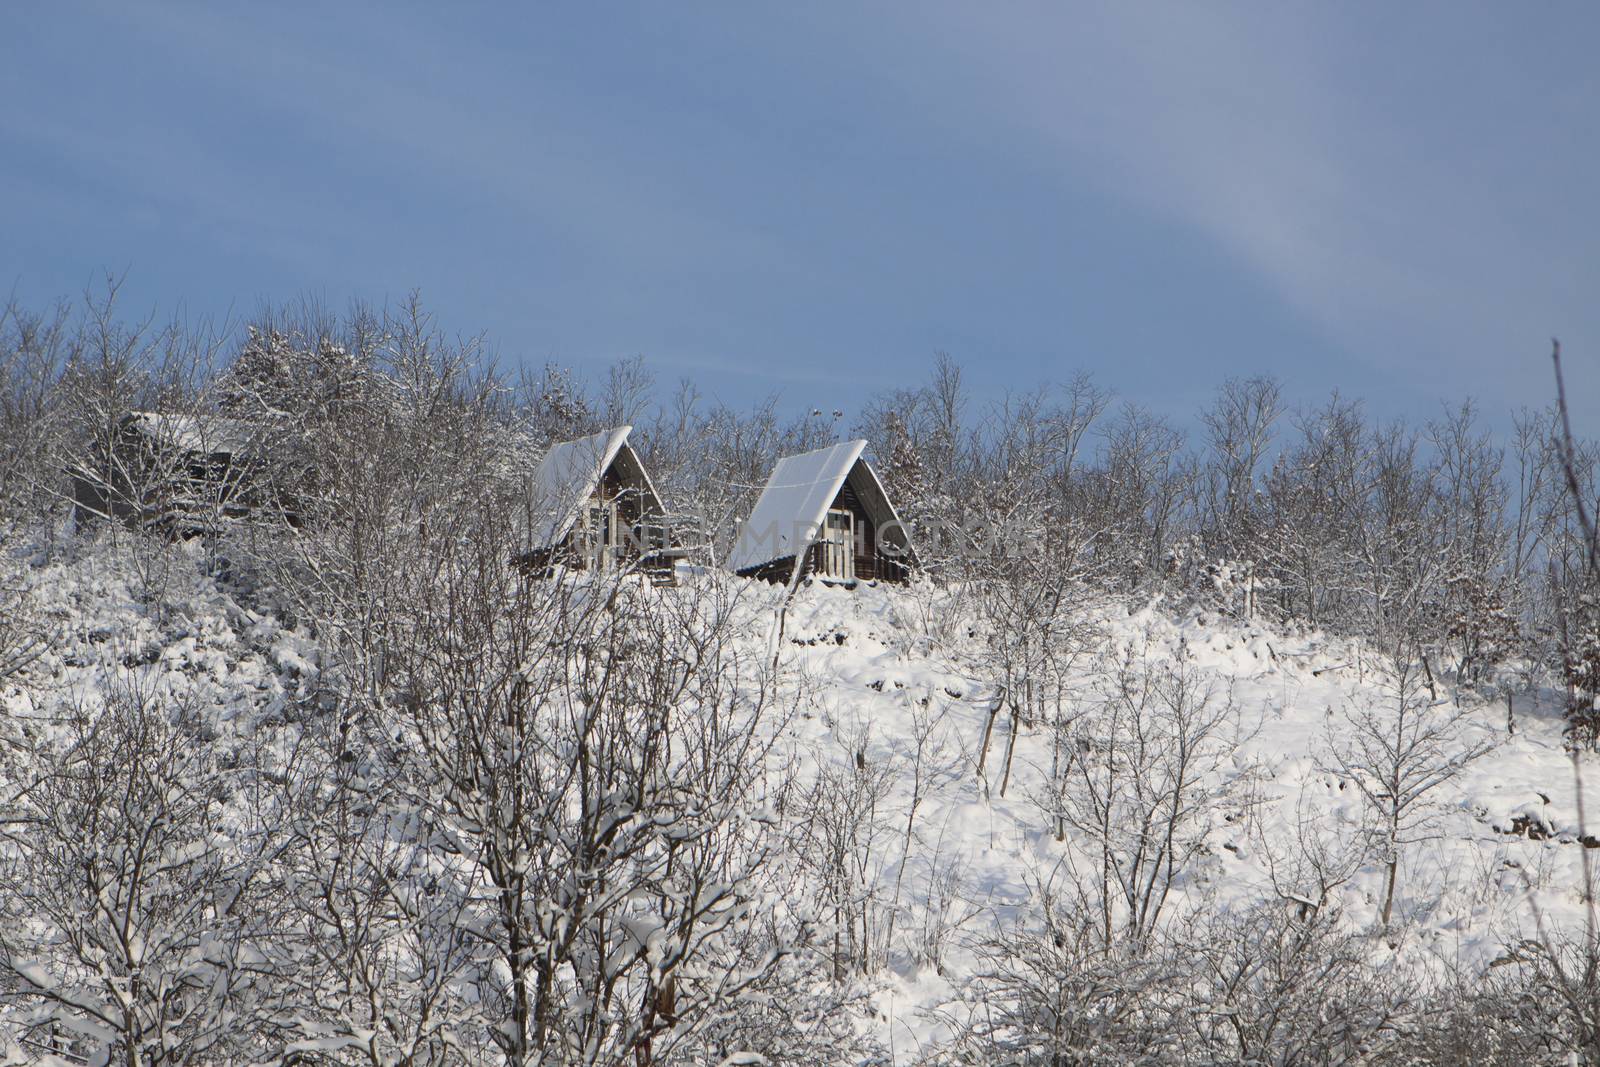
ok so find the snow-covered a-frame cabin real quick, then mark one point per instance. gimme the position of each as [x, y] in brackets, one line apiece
[592, 506]
[830, 506]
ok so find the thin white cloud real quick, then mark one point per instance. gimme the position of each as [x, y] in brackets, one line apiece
[1248, 125]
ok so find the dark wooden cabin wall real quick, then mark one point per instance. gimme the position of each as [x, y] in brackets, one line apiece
[870, 563]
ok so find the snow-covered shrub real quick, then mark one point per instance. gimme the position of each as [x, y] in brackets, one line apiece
[1277, 985]
[135, 917]
[22, 633]
[1561, 972]
[797, 1014]
[1056, 994]
[1479, 621]
[1498, 1017]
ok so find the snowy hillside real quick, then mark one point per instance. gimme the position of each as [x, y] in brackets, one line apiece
[1500, 852]
[903, 872]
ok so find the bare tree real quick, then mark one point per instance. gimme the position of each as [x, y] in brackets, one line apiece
[1034, 638]
[1398, 757]
[1135, 496]
[1563, 966]
[1239, 432]
[1471, 499]
[1315, 498]
[1324, 855]
[1143, 786]
[591, 749]
[845, 838]
[35, 347]
[627, 392]
[377, 938]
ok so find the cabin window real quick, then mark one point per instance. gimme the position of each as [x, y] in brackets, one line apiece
[838, 545]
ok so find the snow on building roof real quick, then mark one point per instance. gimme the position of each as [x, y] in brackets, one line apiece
[209, 434]
[791, 508]
[569, 474]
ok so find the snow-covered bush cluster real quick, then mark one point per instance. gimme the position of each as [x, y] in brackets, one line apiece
[1267, 752]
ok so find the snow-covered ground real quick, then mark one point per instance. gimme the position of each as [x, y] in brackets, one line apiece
[892, 687]
[1475, 883]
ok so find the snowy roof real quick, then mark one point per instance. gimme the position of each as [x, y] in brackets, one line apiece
[569, 474]
[209, 434]
[791, 508]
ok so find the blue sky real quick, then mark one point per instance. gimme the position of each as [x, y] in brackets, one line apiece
[1395, 200]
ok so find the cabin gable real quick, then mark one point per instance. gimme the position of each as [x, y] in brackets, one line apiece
[593, 506]
[829, 507]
